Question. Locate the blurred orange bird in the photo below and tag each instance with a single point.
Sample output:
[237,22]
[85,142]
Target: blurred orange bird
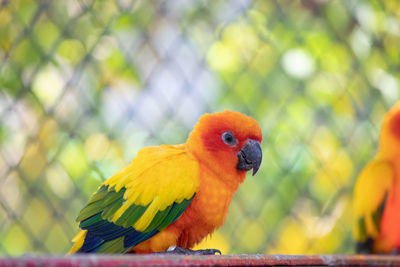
[172,196]
[377,193]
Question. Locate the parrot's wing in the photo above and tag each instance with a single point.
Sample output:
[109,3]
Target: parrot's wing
[139,201]
[370,194]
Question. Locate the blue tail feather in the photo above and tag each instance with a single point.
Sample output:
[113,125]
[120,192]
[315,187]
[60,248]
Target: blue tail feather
[91,242]
[135,237]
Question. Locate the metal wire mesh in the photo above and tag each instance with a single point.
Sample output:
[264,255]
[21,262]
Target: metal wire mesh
[85,84]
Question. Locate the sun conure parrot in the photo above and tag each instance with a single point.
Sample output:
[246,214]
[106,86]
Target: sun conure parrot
[172,196]
[377,193]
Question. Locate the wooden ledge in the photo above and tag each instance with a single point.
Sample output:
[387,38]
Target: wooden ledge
[223,260]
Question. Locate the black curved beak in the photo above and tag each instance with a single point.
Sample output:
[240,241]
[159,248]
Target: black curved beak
[250,156]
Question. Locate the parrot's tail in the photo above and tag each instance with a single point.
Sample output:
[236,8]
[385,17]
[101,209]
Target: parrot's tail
[365,247]
[87,242]
[78,242]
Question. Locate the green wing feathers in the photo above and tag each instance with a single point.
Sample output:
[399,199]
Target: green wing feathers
[139,201]
[108,236]
[104,201]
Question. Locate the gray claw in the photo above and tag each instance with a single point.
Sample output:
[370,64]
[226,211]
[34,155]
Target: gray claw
[211,251]
[184,251]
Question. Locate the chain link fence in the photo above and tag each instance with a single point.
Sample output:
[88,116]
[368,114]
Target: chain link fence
[85,84]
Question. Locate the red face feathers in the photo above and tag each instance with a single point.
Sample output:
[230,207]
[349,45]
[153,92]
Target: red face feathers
[228,142]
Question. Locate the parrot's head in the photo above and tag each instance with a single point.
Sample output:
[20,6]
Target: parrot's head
[228,143]
[390,133]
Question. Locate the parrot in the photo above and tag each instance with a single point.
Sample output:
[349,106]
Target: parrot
[376,196]
[170,197]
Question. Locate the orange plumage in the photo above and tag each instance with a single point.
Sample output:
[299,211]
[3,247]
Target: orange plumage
[377,193]
[220,150]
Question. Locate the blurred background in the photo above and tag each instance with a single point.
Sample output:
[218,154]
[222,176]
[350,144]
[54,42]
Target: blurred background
[84,84]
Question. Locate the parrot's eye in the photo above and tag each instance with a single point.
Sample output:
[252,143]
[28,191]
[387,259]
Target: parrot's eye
[229,139]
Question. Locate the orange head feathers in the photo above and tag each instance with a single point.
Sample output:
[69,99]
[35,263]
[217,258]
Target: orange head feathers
[227,142]
[390,133]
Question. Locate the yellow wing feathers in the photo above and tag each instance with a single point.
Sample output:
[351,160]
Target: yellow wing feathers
[157,177]
[369,195]
[78,241]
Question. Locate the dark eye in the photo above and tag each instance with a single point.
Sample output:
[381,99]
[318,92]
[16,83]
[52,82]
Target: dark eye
[229,139]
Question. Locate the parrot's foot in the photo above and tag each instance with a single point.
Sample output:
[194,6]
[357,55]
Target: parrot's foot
[184,251]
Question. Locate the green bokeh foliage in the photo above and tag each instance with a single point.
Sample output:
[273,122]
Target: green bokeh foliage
[85,84]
